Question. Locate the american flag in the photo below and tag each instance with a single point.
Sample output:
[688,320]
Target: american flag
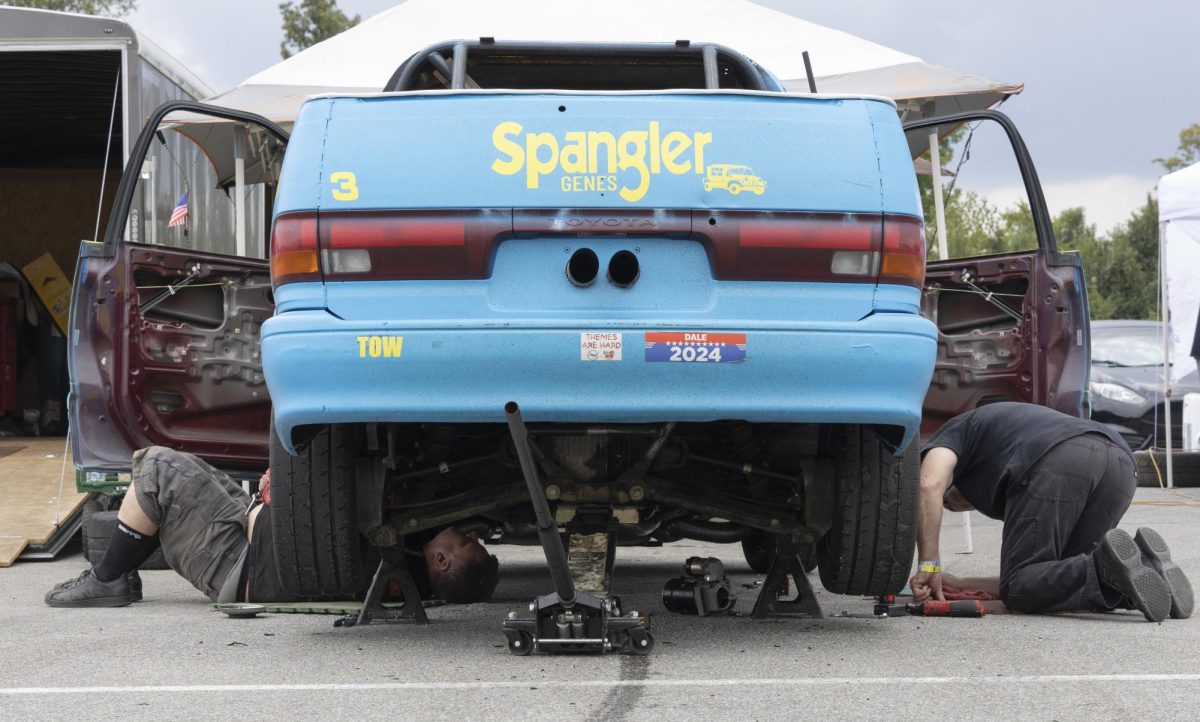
[179,215]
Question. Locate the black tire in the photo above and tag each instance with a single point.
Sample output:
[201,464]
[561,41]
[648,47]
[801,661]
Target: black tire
[1153,471]
[318,553]
[759,549]
[97,532]
[869,549]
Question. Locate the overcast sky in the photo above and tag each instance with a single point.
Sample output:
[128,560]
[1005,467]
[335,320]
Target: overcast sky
[1108,83]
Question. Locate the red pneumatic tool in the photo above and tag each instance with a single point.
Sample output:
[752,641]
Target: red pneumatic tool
[963,608]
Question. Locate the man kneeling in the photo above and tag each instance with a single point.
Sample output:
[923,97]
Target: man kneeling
[220,539]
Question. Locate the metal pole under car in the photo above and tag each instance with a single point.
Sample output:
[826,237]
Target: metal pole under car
[547,528]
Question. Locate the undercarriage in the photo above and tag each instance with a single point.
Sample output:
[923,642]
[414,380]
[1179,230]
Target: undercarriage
[722,482]
[841,498]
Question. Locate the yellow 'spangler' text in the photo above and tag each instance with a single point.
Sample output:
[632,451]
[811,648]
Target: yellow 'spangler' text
[377,346]
[579,153]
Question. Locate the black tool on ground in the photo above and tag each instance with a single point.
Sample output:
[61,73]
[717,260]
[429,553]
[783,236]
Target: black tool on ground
[962,608]
[702,590]
[786,569]
[566,620]
[885,606]
[392,565]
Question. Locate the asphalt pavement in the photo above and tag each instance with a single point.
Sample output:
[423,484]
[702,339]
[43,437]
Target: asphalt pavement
[171,656]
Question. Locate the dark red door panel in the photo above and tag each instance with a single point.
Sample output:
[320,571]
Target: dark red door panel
[1024,342]
[184,371]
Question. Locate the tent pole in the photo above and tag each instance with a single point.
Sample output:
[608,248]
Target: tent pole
[239,186]
[939,203]
[939,212]
[1166,331]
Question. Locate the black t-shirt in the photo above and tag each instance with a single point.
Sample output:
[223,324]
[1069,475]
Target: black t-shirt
[999,443]
[262,576]
[260,571]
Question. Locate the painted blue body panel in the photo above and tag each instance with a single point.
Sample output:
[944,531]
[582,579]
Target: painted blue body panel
[814,352]
[874,370]
[407,151]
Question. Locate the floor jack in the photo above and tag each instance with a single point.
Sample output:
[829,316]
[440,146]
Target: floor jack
[571,619]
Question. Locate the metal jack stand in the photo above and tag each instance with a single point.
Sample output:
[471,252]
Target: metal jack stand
[786,564]
[565,620]
[392,565]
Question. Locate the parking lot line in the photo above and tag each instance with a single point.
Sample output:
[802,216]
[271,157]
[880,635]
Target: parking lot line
[561,684]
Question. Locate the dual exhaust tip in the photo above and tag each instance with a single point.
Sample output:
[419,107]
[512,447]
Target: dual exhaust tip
[584,266]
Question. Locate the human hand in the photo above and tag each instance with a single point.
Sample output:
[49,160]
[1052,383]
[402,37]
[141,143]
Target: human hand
[926,585]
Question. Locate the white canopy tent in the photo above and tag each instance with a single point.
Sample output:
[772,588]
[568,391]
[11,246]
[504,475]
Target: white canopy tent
[364,57]
[1179,254]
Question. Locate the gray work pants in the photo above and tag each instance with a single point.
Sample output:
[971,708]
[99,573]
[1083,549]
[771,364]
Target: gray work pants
[1053,522]
[200,513]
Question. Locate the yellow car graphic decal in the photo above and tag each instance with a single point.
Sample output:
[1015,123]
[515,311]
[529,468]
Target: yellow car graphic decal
[733,178]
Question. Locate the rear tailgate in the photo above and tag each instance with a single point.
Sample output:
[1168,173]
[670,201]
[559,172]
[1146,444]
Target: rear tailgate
[469,187]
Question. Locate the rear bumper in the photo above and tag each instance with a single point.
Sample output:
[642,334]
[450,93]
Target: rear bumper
[319,370]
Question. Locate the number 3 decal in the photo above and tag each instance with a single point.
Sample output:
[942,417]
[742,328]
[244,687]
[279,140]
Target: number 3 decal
[345,186]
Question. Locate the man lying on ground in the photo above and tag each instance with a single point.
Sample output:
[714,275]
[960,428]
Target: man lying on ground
[220,539]
[1060,484]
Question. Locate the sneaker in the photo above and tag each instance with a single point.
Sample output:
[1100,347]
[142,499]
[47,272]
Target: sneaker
[135,585]
[88,591]
[1155,550]
[1119,565]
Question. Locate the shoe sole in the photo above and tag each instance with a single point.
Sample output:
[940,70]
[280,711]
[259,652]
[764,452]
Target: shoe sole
[93,602]
[1139,583]
[1155,549]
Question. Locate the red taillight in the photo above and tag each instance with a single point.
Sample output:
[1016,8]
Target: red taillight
[903,251]
[294,249]
[458,244]
[801,246]
[409,245]
[791,246]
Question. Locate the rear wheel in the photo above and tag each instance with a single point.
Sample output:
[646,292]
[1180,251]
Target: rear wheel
[734,188]
[317,546]
[869,548]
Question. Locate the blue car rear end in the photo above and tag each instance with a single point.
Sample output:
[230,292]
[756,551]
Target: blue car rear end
[423,243]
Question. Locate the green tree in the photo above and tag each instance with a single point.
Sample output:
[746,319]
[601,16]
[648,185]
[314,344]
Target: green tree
[1127,279]
[308,22]
[1188,151]
[111,8]
[1074,233]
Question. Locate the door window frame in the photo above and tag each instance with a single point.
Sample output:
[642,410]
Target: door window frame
[114,231]
[1033,186]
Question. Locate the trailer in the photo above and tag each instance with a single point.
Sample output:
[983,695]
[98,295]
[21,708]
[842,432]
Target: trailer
[76,92]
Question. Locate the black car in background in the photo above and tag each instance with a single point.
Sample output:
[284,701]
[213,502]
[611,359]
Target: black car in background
[1127,383]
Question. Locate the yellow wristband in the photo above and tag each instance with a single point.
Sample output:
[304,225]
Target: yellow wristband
[931,568]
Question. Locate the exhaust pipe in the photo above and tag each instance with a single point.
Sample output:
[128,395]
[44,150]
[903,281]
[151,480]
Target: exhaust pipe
[623,269]
[582,267]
